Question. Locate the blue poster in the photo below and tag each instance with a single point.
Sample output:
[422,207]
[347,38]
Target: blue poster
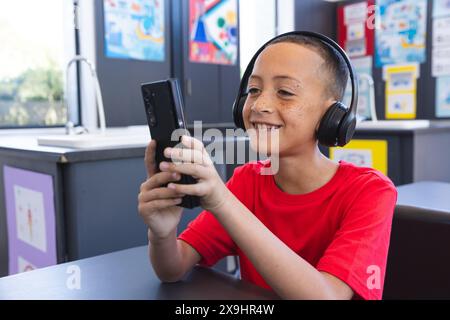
[400,35]
[443,97]
[134,29]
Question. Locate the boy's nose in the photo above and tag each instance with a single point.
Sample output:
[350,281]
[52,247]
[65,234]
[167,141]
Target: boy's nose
[261,106]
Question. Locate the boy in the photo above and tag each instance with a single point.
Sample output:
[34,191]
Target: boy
[315,229]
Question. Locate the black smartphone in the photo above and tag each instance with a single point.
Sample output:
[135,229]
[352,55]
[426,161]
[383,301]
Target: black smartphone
[164,110]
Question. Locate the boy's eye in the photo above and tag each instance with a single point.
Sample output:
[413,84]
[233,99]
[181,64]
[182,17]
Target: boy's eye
[285,93]
[253,91]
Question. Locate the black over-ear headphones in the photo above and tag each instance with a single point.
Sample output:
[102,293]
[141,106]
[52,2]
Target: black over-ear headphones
[338,124]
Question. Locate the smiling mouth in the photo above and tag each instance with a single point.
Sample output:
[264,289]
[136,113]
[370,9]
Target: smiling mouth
[265,126]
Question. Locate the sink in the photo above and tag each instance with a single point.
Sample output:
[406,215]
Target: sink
[393,124]
[116,137]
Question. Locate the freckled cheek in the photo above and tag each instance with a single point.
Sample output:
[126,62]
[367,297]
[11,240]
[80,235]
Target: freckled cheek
[293,116]
[300,120]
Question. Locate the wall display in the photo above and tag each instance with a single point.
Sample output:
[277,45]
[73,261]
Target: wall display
[134,29]
[441,47]
[401,31]
[213,31]
[401,89]
[443,97]
[363,153]
[30,215]
[362,66]
[356,28]
[441,8]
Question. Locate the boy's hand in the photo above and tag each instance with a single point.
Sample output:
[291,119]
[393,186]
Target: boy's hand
[195,161]
[158,205]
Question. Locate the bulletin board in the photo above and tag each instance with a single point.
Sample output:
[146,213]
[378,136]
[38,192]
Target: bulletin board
[30,215]
[432,95]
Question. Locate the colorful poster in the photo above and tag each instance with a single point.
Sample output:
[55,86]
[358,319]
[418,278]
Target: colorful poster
[30,215]
[213,31]
[363,70]
[441,47]
[356,28]
[401,33]
[441,8]
[363,153]
[443,97]
[401,88]
[134,29]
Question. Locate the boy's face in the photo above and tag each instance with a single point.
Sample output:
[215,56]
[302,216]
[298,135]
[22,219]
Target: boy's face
[286,92]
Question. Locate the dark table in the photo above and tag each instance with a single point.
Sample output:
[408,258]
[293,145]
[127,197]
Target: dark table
[126,274]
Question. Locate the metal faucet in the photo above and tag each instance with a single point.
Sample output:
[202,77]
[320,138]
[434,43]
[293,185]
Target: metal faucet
[98,92]
[368,78]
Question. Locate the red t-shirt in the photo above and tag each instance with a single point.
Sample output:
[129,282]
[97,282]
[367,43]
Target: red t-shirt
[343,228]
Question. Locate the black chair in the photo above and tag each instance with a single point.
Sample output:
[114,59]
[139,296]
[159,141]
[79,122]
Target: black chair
[419,255]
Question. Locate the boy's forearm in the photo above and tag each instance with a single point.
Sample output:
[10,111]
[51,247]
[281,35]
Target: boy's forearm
[288,274]
[166,257]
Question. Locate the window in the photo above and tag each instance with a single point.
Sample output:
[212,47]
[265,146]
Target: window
[261,20]
[37,39]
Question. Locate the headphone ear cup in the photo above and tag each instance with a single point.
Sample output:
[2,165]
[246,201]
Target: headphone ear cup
[347,129]
[238,108]
[329,129]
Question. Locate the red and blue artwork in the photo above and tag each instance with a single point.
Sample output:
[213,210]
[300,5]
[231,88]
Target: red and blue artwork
[213,31]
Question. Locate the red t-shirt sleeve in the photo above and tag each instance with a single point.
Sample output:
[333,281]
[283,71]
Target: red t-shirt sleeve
[358,252]
[206,235]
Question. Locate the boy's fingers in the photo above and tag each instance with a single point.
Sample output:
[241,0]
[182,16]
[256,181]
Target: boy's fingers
[187,155]
[159,179]
[192,169]
[158,194]
[162,204]
[149,158]
[192,143]
[197,189]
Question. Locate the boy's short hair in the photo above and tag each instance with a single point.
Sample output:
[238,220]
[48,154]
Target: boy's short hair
[334,64]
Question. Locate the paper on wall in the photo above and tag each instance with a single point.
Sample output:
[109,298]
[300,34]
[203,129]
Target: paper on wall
[24,265]
[361,65]
[356,48]
[401,89]
[401,36]
[441,47]
[356,31]
[355,13]
[441,62]
[441,8]
[401,106]
[443,97]
[30,217]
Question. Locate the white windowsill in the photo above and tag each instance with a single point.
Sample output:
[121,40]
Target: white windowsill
[31,131]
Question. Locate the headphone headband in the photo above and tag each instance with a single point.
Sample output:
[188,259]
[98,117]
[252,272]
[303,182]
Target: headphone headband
[350,113]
